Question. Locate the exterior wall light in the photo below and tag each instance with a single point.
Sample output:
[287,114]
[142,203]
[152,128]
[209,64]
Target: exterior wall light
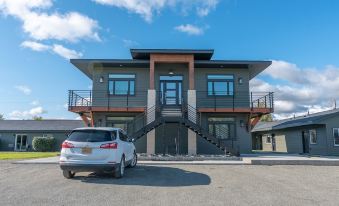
[170,72]
[242,123]
[101,80]
[240,81]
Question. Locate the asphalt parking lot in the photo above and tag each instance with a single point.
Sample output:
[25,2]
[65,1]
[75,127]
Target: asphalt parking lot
[27,184]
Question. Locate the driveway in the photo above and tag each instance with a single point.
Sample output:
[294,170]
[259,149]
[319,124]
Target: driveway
[172,185]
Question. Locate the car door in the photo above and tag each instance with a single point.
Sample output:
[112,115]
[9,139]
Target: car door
[125,145]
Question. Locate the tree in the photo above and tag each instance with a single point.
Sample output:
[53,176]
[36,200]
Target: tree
[2,117]
[37,118]
[267,118]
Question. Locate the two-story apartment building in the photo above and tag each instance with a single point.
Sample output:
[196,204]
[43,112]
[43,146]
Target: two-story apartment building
[174,101]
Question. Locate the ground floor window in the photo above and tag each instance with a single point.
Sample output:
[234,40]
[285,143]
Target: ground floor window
[313,136]
[336,136]
[124,123]
[222,127]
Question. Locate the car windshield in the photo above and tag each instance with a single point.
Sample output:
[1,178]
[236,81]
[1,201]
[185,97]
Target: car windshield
[91,136]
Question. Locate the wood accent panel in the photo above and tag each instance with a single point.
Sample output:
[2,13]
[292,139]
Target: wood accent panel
[85,119]
[172,58]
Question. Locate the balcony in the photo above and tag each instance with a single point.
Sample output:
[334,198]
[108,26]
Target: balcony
[84,101]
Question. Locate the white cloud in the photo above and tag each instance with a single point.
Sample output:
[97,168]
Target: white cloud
[24,89]
[299,90]
[40,25]
[66,53]
[56,48]
[189,29]
[35,46]
[28,114]
[147,8]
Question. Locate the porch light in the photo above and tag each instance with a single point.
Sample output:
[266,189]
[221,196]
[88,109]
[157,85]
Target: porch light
[170,72]
[240,80]
[101,80]
[242,124]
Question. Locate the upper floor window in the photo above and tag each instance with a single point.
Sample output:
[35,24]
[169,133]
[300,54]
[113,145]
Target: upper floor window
[220,85]
[336,136]
[121,84]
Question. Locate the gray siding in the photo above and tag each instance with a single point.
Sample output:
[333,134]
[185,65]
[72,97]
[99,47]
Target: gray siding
[241,97]
[331,123]
[242,142]
[100,90]
[7,139]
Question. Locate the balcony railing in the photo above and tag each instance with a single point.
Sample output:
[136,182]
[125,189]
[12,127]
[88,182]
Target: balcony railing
[239,101]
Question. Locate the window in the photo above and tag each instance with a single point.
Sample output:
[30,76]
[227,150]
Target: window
[268,139]
[120,122]
[90,136]
[220,85]
[121,84]
[222,127]
[336,136]
[47,135]
[123,137]
[313,136]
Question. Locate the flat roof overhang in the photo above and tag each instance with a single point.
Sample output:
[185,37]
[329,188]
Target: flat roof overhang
[87,65]
[199,54]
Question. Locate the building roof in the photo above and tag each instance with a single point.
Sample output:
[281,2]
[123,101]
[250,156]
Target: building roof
[311,119]
[199,54]
[43,125]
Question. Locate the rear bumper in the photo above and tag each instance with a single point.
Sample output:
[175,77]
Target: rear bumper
[89,167]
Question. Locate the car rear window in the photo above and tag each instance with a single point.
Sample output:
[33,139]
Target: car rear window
[91,136]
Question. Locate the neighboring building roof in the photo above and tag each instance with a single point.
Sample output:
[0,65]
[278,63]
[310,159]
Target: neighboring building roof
[311,119]
[199,54]
[43,125]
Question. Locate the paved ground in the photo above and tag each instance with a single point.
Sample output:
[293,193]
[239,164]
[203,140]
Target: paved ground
[43,184]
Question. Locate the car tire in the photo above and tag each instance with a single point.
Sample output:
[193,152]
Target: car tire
[134,160]
[120,171]
[68,174]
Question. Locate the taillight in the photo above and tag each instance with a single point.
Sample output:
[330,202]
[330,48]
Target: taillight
[113,145]
[67,145]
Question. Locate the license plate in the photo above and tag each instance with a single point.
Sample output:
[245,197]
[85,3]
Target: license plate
[86,150]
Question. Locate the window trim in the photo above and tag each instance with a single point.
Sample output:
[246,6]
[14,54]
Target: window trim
[121,79]
[310,138]
[335,128]
[228,81]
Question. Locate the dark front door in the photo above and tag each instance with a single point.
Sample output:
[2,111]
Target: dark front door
[305,140]
[171,92]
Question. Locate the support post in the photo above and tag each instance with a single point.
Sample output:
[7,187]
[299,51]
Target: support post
[192,137]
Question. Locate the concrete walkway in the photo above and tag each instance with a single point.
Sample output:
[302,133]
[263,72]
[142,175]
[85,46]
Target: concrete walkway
[246,159]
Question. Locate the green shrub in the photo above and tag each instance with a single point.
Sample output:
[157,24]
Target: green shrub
[44,144]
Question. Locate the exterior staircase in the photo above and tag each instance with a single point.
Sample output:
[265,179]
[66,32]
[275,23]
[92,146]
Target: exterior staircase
[186,116]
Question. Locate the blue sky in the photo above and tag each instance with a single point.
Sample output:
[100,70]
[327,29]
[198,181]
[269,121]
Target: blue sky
[38,37]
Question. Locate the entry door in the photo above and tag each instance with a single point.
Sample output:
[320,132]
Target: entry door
[306,143]
[171,92]
[20,142]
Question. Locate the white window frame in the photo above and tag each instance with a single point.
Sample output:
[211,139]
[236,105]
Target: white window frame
[336,145]
[309,133]
[266,136]
[15,143]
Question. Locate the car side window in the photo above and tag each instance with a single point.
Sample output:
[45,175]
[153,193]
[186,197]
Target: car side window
[122,136]
[114,135]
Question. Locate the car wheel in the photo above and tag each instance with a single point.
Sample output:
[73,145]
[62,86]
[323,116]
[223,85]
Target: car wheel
[120,171]
[68,174]
[134,161]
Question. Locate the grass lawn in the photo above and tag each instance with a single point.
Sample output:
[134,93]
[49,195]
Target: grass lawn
[25,155]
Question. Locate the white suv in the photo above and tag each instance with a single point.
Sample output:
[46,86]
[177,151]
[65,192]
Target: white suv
[98,149]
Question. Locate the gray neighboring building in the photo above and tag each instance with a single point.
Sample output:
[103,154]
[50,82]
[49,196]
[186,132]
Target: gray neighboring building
[17,135]
[174,101]
[315,134]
